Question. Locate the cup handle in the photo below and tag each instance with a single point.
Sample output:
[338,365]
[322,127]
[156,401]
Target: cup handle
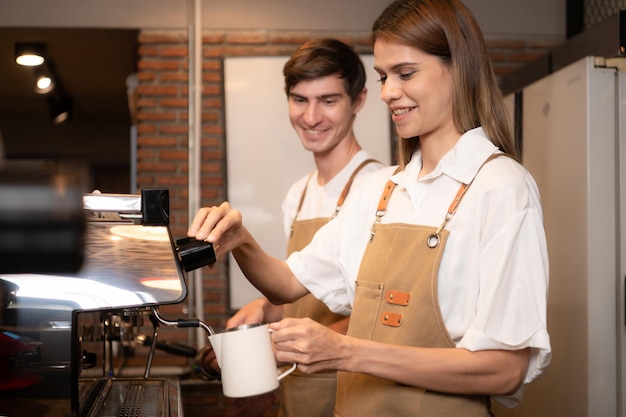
[292,368]
[287,372]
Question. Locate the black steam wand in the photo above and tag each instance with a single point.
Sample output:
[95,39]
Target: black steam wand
[156,318]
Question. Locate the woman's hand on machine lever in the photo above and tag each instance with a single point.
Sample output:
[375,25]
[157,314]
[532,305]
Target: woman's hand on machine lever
[220,225]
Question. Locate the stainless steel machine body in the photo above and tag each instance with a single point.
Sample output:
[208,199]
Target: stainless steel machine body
[61,333]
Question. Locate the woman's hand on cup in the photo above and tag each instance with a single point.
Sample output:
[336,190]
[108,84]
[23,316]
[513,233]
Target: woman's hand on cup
[313,346]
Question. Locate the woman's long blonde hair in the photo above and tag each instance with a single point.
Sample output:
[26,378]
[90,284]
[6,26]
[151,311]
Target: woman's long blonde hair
[448,30]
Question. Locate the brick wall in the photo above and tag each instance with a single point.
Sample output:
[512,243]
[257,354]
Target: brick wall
[163,136]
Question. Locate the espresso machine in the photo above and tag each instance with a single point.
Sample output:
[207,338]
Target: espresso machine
[81,278]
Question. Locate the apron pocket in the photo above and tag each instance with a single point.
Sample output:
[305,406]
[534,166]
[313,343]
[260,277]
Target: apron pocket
[367,300]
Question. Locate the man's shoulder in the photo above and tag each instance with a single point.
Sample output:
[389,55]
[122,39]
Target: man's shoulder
[371,163]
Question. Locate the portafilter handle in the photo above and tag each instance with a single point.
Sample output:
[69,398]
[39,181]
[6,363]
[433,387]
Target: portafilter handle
[194,254]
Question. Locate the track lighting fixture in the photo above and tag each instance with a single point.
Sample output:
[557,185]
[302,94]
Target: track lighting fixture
[33,55]
[30,54]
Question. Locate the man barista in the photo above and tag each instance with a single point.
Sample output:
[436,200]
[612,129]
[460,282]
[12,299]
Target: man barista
[325,87]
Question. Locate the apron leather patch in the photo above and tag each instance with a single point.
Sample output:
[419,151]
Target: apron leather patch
[398,298]
[391,319]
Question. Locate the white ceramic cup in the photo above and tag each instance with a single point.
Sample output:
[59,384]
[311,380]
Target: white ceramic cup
[246,359]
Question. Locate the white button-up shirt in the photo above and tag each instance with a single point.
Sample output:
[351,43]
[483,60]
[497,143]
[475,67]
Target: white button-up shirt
[493,277]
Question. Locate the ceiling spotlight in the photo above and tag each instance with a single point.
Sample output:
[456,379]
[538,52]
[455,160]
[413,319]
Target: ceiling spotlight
[44,82]
[61,114]
[30,54]
[60,108]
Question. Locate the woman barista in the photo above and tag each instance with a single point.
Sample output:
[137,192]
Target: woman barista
[441,261]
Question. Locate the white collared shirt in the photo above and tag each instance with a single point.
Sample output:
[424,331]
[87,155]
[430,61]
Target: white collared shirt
[493,276]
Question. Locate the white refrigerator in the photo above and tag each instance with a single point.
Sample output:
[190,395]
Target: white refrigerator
[574,144]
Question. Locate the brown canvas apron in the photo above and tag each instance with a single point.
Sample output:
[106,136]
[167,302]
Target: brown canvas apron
[390,308]
[311,395]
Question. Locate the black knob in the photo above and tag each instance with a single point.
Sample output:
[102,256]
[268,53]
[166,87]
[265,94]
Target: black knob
[89,359]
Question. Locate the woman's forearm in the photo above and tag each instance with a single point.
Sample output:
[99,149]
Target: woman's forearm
[451,370]
[269,275]
[223,227]
[316,348]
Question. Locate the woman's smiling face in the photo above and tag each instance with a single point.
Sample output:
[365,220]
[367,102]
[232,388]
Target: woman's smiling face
[417,87]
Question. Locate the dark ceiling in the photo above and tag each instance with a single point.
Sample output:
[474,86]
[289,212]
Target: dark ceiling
[92,66]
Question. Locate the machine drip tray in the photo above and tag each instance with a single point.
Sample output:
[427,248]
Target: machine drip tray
[134,398]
